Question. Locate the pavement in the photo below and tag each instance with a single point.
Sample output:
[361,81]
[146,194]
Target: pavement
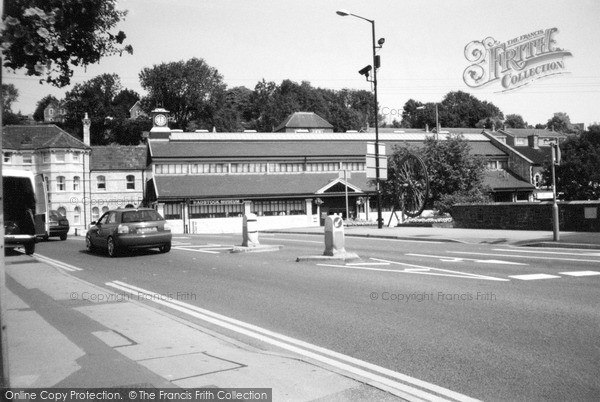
[56,340]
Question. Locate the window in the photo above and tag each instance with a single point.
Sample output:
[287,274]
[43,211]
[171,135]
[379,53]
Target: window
[95,213]
[60,183]
[101,182]
[27,159]
[46,157]
[77,216]
[59,157]
[216,211]
[130,182]
[284,207]
[7,157]
[104,209]
[75,157]
[76,181]
[172,211]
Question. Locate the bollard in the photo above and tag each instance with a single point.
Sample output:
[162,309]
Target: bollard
[250,231]
[334,236]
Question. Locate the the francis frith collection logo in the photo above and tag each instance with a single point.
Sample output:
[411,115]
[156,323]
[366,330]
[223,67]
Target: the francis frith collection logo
[516,62]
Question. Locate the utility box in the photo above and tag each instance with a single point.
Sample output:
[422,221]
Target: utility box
[250,231]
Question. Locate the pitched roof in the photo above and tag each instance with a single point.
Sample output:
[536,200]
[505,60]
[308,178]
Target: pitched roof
[304,120]
[118,157]
[249,186]
[538,156]
[38,137]
[505,180]
[526,132]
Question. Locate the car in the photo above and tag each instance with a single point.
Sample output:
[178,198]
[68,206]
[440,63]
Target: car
[130,228]
[58,225]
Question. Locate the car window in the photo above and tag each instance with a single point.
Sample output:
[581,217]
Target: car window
[103,218]
[112,217]
[141,216]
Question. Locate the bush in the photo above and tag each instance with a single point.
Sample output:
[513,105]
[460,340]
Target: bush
[473,196]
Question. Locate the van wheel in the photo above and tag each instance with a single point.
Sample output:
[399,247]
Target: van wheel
[63,236]
[29,248]
[165,248]
[111,246]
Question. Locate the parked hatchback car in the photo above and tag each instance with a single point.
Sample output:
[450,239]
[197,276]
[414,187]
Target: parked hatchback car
[122,229]
[58,225]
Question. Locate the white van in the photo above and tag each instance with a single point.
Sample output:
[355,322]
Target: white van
[25,208]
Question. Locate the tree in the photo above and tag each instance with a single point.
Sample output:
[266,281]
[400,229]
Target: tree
[38,115]
[190,90]
[561,122]
[460,109]
[515,121]
[454,174]
[50,37]
[95,97]
[578,175]
[122,102]
[10,94]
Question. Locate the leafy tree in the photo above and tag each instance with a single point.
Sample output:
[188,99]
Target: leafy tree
[455,175]
[38,115]
[515,121]
[122,102]
[561,122]
[95,97]
[460,109]
[578,175]
[50,37]
[416,114]
[125,131]
[190,90]
[10,94]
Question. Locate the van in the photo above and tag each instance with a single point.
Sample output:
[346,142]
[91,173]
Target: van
[25,209]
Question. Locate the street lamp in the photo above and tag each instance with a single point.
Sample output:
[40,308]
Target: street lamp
[365,71]
[437,120]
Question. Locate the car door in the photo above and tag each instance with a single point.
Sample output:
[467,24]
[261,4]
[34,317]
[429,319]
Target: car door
[107,228]
[95,229]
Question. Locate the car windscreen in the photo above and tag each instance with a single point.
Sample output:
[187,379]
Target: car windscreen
[140,216]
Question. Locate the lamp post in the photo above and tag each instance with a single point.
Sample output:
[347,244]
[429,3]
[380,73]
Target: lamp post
[365,72]
[437,120]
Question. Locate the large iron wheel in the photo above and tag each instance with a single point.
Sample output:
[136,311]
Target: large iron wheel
[414,181]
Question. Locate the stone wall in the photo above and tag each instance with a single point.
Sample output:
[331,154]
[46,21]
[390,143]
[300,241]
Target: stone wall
[575,216]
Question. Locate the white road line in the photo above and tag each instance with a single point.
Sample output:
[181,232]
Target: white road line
[196,250]
[418,269]
[56,263]
[580,273]
[585,254]
[525,256]
[459,259]
[533,277]
[380,375]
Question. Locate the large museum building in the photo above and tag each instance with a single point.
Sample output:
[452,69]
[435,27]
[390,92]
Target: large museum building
[204,182]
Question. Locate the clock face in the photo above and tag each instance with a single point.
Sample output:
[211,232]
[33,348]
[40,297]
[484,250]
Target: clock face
[160,120]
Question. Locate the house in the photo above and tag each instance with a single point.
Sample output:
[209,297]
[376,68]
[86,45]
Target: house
[62,159]
[55,112]
[136,111]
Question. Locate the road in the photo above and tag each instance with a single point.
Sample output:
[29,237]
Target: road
[491,322]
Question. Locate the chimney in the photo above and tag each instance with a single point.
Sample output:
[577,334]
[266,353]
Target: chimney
[426,128]
[86,130]
[534,141]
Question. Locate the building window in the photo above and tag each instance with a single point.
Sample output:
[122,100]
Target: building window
[537,180]
[284,207]
[101,182]
[59,157]
[248,168]
[95,214]
[76,181]
[216,211]
[62,211]
[60,183]
[104,209]
[27,159]
[172,211]
[130,182]
[7,157]
[46,157]
[75,157]
[77,216]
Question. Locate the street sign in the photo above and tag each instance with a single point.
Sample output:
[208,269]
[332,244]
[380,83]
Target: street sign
[372,163]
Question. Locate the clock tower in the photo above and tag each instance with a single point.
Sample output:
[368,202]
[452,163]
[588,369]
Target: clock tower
[160,124]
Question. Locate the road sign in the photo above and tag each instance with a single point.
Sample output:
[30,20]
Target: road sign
[372,161]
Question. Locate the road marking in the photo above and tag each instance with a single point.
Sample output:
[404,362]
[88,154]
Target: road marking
[416,269]
[585,254]
[409,388]
[525,256]
[533,277]
[196,250]
[460,259]
[56,263]
[580,273]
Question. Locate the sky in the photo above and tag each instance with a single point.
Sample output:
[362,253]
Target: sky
[423,57]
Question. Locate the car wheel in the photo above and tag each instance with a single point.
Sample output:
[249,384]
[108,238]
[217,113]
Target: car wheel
[111,246]
[165,248]
[89,245]
[46,237]
[29,248]
[63,236]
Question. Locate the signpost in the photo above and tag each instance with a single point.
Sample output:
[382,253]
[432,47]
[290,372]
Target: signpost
[372,161]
